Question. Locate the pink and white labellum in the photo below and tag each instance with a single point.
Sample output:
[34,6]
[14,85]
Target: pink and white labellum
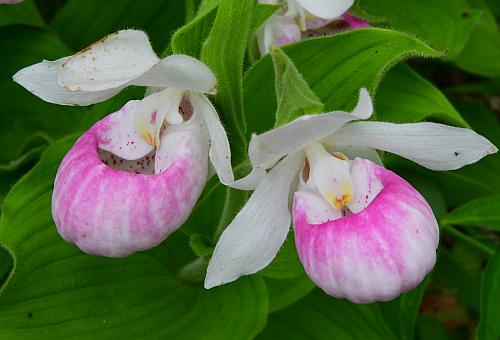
[300,19]
[134,177]
[361,231]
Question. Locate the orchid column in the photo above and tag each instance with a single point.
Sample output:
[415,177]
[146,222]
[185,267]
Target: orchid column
[134,177]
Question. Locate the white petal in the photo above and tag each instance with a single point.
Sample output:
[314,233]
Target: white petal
[156,109]
[41,80]
[326,9]
[296,135]
[179,71]
[434,146]
[121,137]
[254,237]
[220,152]
[110,62]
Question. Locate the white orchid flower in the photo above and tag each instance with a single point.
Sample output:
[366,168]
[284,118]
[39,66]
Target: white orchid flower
[134,177]
[361,231]
[287,26]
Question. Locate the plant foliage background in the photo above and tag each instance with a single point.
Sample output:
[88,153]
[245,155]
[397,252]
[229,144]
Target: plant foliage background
[424,60]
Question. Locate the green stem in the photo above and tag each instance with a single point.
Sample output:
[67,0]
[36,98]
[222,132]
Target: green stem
[464,237]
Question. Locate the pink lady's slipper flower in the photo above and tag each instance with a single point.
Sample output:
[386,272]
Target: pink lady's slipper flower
[361,231]
[303,18]
[134,177]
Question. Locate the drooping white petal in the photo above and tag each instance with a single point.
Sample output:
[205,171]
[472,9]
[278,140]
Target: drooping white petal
[41,80]
[179,71]
[220,152]
[120,136]
[434,146]
[296,135]
[110,62]
[326,9]
[330,175]
[156,109]
[254,237]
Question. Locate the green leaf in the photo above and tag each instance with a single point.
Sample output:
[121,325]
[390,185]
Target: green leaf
[82,22]
[445,24]
[24,13]
[335,67]
[286,264]
[223,52]
[482,52]
[262,13]
[285,292]
[56,291]
[401,313]
[484,212]
[23,115]
[319,316]
[489,327]
[294,97]
[12,171]
[405,97]
[189,38]
[431,328]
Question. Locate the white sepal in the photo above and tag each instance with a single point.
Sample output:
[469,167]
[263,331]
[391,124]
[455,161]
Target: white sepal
[41,80]
[434,146]
[179,71]
[254,237]
[108,63]
[272,145]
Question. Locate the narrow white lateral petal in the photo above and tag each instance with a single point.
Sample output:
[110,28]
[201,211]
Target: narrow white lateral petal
[296,135]
[326,9]
[41,80]
[256,234]
[179,71]
[434,146]
[110,62]
[220,152]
